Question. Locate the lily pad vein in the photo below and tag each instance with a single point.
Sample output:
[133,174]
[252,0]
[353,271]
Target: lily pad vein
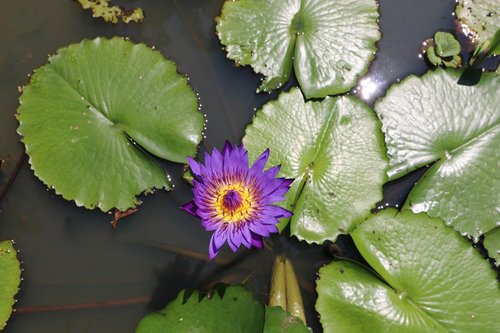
[476,137]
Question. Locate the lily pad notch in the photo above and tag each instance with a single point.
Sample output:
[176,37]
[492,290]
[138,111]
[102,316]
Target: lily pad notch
[425,277]
[328,43]
[94,116]
[334,149]
[431,119]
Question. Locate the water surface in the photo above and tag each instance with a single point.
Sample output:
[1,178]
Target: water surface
[80,275]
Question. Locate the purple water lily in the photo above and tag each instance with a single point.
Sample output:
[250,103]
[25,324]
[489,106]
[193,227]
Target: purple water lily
[236,201]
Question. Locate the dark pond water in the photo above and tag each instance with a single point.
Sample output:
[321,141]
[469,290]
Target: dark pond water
[80,275]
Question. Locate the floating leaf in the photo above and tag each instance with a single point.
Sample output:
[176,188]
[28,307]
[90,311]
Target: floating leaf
[427,279]
[234,310]
[492,244]
[92,116]
[329,43]
[481,16]
[454,62]
[433,119]
[432,56]
[136,15]
[334,149]
[279,321]
[443,49]
[109,13]
[10,278]
[446,44]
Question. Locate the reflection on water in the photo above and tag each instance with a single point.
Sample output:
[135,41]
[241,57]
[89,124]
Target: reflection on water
[368,88]
[71,256]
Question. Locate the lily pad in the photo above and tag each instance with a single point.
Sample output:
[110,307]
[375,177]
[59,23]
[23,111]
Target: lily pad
[10,278]
[492,244]
[109,13]
[335,152]
[329,43]
[482,17]
[427,278]
[432,56]
[446,44]
[433,120]
[223,309]
[92,117]
[231,309]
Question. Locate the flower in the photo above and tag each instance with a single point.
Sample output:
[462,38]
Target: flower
[237,201]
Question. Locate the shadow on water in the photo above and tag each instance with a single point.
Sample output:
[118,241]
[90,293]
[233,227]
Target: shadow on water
[81,276]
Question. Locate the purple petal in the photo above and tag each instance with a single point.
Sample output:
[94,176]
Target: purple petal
[220,235]
[234,238]
[208,165]
[194,166]
[216,165]
[271,228]
[217,240]
[260,163]
[227,148]
[259,229]
[269,186]
[257,241]
[278,212]
[210,225]
[212,249]
[280,191]
[190,208]
[246,238]
[267,219]
[272,172]
[237,160]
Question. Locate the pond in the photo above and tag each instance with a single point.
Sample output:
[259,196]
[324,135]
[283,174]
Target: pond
[80,275]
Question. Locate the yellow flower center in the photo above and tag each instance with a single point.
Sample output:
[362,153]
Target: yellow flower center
[233,203]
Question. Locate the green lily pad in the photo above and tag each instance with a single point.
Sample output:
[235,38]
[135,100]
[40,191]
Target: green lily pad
[454,62]
[335,152]
[329,43]
[482,17]
[222,309]
[279,321]
[446,44]
[492,244]
[109,13]
[231,309]
[432,119]
[85,113]
[10,278]
[432,56]
[427,278]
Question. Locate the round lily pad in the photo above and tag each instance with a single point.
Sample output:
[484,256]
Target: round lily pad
[92,118]
[333,149]
[226,309]
[426,278]
[433,120]
[446,44]
[492,244]
[481,16]
[10,278]
[329,43]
